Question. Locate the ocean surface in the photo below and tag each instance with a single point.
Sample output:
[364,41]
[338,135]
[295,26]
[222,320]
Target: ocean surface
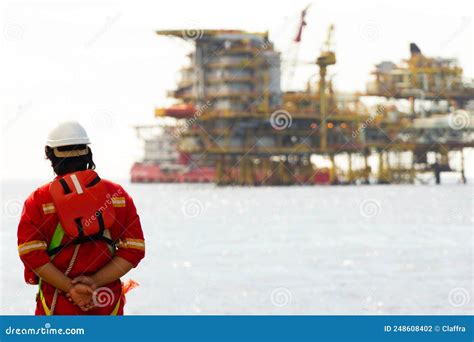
[284,250]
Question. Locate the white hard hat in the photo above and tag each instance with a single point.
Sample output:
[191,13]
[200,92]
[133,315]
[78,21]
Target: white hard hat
[66,134]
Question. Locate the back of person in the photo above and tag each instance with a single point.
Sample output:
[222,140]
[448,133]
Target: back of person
[79,232]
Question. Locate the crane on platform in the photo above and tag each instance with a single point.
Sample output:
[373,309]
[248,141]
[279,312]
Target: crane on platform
[293,51]
[326,58]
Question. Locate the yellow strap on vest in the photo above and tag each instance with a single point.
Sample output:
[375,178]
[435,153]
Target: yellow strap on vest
[116,309]
[43,300]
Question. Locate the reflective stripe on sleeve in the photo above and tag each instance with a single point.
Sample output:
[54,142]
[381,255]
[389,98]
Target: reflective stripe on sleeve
[31,246]
[48,208]
[118,202]
[132,243]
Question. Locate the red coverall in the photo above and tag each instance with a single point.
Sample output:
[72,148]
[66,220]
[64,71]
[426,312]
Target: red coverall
[37,225]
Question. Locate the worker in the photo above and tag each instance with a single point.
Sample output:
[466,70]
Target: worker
[79,234]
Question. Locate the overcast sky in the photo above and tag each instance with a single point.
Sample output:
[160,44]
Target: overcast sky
[100,62]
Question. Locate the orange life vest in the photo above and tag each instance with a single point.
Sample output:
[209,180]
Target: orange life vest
[83,205]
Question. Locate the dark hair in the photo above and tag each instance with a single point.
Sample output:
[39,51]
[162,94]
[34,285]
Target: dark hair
[63,165]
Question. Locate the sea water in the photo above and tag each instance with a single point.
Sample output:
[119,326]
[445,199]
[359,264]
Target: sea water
[394,249]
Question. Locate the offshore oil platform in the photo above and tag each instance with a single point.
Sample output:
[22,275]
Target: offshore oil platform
[235,125]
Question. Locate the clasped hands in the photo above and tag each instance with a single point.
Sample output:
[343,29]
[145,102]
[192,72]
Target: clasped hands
[81,292]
